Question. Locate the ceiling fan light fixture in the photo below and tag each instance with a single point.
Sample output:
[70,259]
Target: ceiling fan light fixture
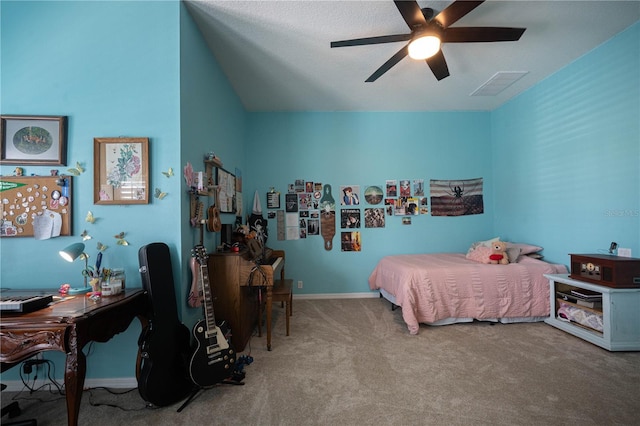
[424,46]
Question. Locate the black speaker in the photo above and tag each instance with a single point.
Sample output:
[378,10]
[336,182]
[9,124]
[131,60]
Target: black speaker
[226,234]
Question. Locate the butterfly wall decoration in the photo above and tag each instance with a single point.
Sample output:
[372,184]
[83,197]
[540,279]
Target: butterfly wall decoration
[159,194]
[77,170]
[101,247]
[120,239]
[169,172]
[90,218]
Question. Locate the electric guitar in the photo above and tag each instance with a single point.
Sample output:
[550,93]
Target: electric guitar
[195,295]
[214,358]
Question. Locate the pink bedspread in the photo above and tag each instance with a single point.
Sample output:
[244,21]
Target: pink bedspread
[432,287]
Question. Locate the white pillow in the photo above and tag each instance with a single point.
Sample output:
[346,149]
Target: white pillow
[486,243]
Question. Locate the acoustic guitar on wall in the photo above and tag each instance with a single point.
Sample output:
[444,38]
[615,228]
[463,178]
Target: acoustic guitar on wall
[214,224]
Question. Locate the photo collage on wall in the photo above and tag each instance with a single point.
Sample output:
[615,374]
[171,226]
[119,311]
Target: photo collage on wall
[302,214]
[404,198]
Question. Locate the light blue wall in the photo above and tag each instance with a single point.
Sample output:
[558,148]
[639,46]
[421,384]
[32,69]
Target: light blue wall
[112,68]
[367,149]
[566,155]
[212,119]
[117,69]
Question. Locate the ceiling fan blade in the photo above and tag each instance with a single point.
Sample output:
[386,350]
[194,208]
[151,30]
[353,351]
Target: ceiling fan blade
[438,65]
[455,11]
[387,65]
[411,12]
[481,34]
[371,40]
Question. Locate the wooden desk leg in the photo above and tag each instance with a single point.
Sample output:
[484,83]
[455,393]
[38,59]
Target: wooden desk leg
[74,374]
[269,301]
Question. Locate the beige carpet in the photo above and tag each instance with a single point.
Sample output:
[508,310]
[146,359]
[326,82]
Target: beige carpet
[352,362]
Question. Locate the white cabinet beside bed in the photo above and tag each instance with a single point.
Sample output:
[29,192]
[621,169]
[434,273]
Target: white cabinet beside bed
[619,315]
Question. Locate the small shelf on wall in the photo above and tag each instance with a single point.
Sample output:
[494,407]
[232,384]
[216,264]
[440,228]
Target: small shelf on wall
[209,166]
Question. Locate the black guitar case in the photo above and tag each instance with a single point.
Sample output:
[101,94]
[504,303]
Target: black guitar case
[165,343]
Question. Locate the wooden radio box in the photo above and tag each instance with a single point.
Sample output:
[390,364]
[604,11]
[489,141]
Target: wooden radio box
[607,270]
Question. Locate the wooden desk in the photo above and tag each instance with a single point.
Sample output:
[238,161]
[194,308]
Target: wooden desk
[233,298]
[67,326]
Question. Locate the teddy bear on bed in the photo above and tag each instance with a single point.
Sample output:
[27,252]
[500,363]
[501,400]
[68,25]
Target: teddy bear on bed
[499,253]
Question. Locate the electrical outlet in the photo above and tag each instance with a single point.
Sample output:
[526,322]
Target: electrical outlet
[299,284]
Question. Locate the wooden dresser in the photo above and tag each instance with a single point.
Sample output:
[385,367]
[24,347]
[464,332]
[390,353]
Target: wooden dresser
[234,300]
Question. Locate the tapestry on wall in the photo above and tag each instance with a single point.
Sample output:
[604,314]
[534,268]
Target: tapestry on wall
[456,197]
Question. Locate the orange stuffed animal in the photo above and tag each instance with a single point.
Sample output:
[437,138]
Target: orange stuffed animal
[499,253]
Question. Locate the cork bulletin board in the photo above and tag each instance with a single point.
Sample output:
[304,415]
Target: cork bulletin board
[35,206]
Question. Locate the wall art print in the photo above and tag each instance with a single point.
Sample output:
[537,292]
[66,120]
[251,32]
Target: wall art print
[121,171]
[350,218]
[373,195]
[456,197]
[405,188]
[350,241]
[374,218]
[350,195]
[37,140]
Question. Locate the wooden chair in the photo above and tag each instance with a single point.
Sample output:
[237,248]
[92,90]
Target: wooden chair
[282,292]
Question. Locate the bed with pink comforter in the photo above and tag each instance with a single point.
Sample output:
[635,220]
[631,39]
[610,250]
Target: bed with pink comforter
[431,288]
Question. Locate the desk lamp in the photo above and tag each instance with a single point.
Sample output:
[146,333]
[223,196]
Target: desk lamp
[70,254]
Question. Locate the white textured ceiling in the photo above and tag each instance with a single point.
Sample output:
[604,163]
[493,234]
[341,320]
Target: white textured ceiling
[277,54]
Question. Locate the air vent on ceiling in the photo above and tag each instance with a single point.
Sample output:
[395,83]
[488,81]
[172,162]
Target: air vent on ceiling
[500,81]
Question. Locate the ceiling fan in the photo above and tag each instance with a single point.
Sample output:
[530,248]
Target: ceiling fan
[429,32]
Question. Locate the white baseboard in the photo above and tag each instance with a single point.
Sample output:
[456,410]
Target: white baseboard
[113,383]
[367,295]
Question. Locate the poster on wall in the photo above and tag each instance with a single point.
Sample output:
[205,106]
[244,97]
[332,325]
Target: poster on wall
[374,218]
[405,188]
[392,188]
[291,203]
[313,226]
[350,195]
[304,201]
[418,187]
[350,241]
[350,218]
[390,206]
[424,205]
[373,195]
[456,197]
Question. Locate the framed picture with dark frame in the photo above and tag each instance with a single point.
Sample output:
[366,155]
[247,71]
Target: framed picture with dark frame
[33,139]
[273,200]
[226,182]
[121,170]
